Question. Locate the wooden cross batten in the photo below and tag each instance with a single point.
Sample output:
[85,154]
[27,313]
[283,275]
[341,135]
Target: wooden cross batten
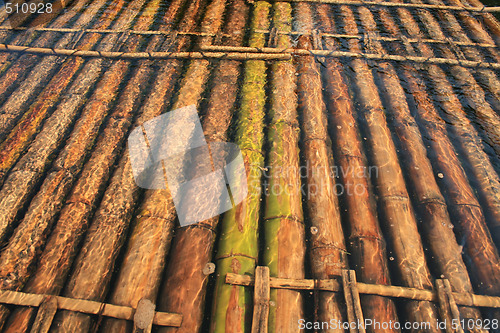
[348,285]
[144,316]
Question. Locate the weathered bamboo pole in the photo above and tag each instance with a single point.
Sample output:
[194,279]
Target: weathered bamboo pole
[84,306]
[446,254]
[460,195]
[22,134]
[363,232]
[335,285]
[251,54]
[32,231]
[237,249]
[12,109]
[28,171]
[9,82]
[284,250]
[40,218]
[488,19]
[111,221]
[481,256]
[473,92]
[327,250]
[399,219]
[154,223]
[488,78]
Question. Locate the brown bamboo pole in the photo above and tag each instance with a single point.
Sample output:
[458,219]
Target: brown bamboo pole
[465,299]
[364,235]
[31,232]
[488,19]
[111,221]
[12,109]
[30,168]
[22,134]
[27,38]
[72,221]
[446,254]
[154,224]
[284,250]
[399,219]
[476,96]
[185,286]
[404,5]
[327,250]
[251,54]
[84,306]
[481,171]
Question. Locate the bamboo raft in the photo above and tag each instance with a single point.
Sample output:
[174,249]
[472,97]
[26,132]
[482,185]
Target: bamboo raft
[370,132]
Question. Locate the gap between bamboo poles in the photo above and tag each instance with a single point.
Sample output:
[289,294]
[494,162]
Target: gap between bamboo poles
[86,306]
[482,9]
[246,53]
[334,285]
[206,34]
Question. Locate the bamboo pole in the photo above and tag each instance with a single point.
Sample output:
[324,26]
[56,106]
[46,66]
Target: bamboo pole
[488,19]
[466,209]
[28,171]
[446,254]
[111,221]
[284,237]
[363,233]
[327,250]
[72,221]
[154,223]
[237,248]
[29,236]
[187,272]
[475,96]
[334,285]
[399,219]
[85,306]
[404,5]
[252,54]
[30,85]
[19,137]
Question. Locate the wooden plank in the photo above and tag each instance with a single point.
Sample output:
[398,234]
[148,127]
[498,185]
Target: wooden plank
[351,315]
[455,313]
[45,315]
[144,315]
[356,300]
[262,295]
[465,299]
[85,306]
[443,305]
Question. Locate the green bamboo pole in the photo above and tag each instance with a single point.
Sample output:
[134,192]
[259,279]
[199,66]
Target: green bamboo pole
[111,221]
[398,215]
[237,249]
[32,84]
[327,251]
[437,228]
[366,243]
[154,223]
[284,251]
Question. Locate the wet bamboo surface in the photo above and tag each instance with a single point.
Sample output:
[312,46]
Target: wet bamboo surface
[389,168]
